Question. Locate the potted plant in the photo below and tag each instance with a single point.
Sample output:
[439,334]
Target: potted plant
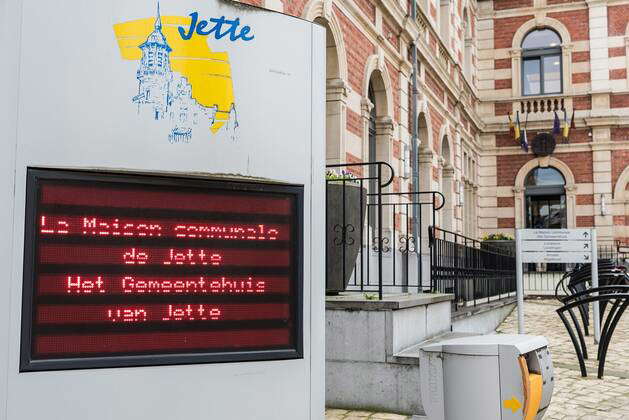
[500,242]
[346,202]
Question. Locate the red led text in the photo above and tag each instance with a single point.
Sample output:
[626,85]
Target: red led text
[83,285]
[202,285]
[61,227]
[192,257]
[226,232]
[135,257]
[95,227]
[127,315]
[192,313]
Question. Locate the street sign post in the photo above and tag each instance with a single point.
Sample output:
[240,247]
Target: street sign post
[555,246]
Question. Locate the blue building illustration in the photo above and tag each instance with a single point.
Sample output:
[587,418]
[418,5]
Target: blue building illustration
[165,94]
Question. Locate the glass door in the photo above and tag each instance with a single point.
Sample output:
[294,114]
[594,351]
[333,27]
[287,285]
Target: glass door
[546,212]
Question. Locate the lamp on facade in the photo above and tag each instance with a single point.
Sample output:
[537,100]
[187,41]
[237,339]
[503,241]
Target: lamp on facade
[604,211]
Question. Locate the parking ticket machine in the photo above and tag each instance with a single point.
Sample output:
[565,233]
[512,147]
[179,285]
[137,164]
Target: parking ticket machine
[489,377]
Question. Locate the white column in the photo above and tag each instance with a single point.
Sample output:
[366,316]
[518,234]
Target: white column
[599,57]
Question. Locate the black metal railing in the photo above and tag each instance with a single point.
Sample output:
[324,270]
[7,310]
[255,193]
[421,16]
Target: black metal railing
[374,238]
[541,279]
[474,272]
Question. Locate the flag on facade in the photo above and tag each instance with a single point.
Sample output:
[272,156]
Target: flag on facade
[556,125]
[572,120]
[524,143]
[566,126]
[511,126]
[516,129]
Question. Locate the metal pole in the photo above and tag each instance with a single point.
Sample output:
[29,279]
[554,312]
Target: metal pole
[415,147]
[595,307]
[519,281]
[380,238]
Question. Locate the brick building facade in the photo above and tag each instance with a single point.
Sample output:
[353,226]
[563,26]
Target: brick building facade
[479,61]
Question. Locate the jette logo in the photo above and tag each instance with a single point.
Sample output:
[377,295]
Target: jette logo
[180,79]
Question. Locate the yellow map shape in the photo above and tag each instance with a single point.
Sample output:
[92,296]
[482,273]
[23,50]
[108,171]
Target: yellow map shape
[208,72]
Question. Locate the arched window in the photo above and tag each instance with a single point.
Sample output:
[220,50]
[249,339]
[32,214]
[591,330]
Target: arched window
[541,63]
[546,199]
[544,177]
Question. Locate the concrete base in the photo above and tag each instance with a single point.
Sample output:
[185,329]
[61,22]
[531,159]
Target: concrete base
[483,319]
[372,347]
[363,339]
[380,387]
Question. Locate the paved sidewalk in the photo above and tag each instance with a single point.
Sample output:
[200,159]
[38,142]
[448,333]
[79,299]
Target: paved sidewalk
[335,414]
[574,397]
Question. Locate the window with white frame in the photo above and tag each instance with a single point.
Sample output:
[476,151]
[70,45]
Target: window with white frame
[541,63]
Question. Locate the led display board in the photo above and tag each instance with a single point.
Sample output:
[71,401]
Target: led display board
[123,270]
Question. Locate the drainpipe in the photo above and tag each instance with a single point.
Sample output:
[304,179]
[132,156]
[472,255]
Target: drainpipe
[415,145]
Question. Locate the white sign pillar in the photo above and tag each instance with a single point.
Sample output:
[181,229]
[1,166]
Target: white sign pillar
[595,306]
[556,246]
[519,282]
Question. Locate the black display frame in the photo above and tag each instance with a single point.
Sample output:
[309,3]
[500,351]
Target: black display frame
[33,178]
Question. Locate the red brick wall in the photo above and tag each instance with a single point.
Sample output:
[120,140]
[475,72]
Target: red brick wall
[435,85]
[617,74]
[580,56]
[620,161]
[617,51]
[506,201]
[580,164]
[511,4]
[253,2]
[435,174]
[507,140]
[617,18]
[580,77]
[394,75]
[549,2]
[502,63]
[506,222]
[582,102]
[368,8]
[579,135]
[577,22]
[437,122]
[356,170]
[359,48]
[294,7]
[354,124]
[502,108]
[432,41]
[505,28]
[619,101]
[397,149]
[502,84]
[390,34]
[585,199]
[585,221]
[619,134]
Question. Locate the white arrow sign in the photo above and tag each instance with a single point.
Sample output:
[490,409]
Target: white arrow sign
[556,246]
[556,257]
[555,235]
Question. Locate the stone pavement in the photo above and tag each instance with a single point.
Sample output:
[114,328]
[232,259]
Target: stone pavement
[574,397]
[335,414]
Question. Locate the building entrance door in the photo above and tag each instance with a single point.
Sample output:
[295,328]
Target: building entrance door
[545,195]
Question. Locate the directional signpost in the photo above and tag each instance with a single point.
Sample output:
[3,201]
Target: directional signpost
[555,246]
